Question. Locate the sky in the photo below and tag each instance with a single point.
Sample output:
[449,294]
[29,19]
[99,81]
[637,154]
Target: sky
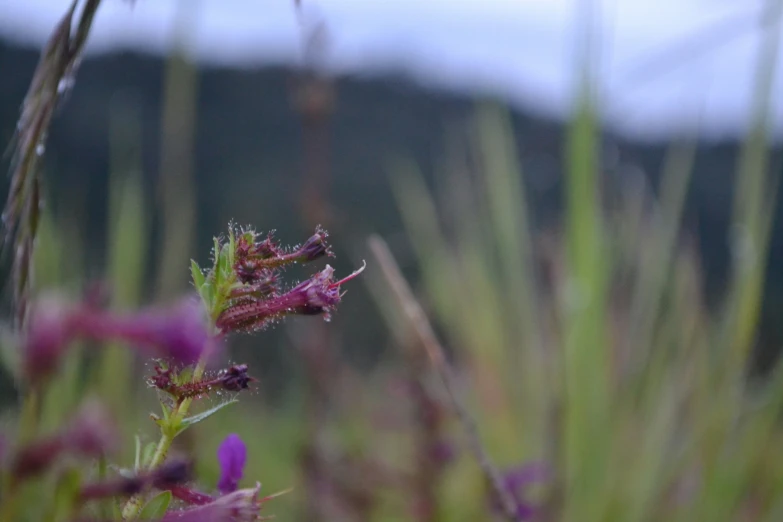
[661,66]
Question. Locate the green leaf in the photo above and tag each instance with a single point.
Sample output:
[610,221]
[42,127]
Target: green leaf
[198,275]
[166,412]
[156,507]
[207,293]
[184,376]
[190,421]
[148,453]
[224,266]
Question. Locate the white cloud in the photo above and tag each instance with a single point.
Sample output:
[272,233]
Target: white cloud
[523,50]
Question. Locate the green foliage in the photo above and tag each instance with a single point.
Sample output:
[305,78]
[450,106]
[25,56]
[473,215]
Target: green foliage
[178,425]
[156,507]
[215,287]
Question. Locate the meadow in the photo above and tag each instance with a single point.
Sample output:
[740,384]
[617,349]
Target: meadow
[567,373]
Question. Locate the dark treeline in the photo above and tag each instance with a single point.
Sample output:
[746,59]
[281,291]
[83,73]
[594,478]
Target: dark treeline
[249,160]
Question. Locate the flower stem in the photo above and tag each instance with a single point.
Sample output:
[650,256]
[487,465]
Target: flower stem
[134,504]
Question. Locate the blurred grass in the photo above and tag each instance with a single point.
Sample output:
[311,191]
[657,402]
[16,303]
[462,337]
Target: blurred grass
[633,401]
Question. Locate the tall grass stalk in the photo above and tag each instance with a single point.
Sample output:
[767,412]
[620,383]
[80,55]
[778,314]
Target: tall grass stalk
[176,189]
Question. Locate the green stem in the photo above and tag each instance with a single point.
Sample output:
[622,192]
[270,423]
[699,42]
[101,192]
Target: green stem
[135,503]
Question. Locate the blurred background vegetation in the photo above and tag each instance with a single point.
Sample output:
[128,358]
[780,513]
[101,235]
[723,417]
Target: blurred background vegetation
[609,341]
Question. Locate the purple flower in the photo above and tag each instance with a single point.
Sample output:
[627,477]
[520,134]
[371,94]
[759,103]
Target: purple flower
[232,455]
[317,295]
[178,333]
[314,247]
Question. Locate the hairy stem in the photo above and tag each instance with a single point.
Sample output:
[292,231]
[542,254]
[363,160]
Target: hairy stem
[135,503]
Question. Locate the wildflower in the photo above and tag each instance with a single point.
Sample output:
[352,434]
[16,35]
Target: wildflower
[234,379]
[233,504]
[317,295]
[178,333]
[313,248]
[232,455]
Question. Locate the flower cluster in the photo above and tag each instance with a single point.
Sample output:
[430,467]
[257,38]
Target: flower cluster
[243,288]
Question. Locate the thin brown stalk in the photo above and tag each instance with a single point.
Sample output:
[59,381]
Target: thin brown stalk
[437,356]
[51,81]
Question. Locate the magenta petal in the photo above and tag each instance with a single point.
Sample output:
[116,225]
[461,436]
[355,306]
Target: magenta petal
[232,456]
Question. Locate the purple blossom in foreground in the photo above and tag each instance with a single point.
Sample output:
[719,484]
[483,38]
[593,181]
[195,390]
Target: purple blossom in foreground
[233,505]
[178,333]
[517,480]
[232,455]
